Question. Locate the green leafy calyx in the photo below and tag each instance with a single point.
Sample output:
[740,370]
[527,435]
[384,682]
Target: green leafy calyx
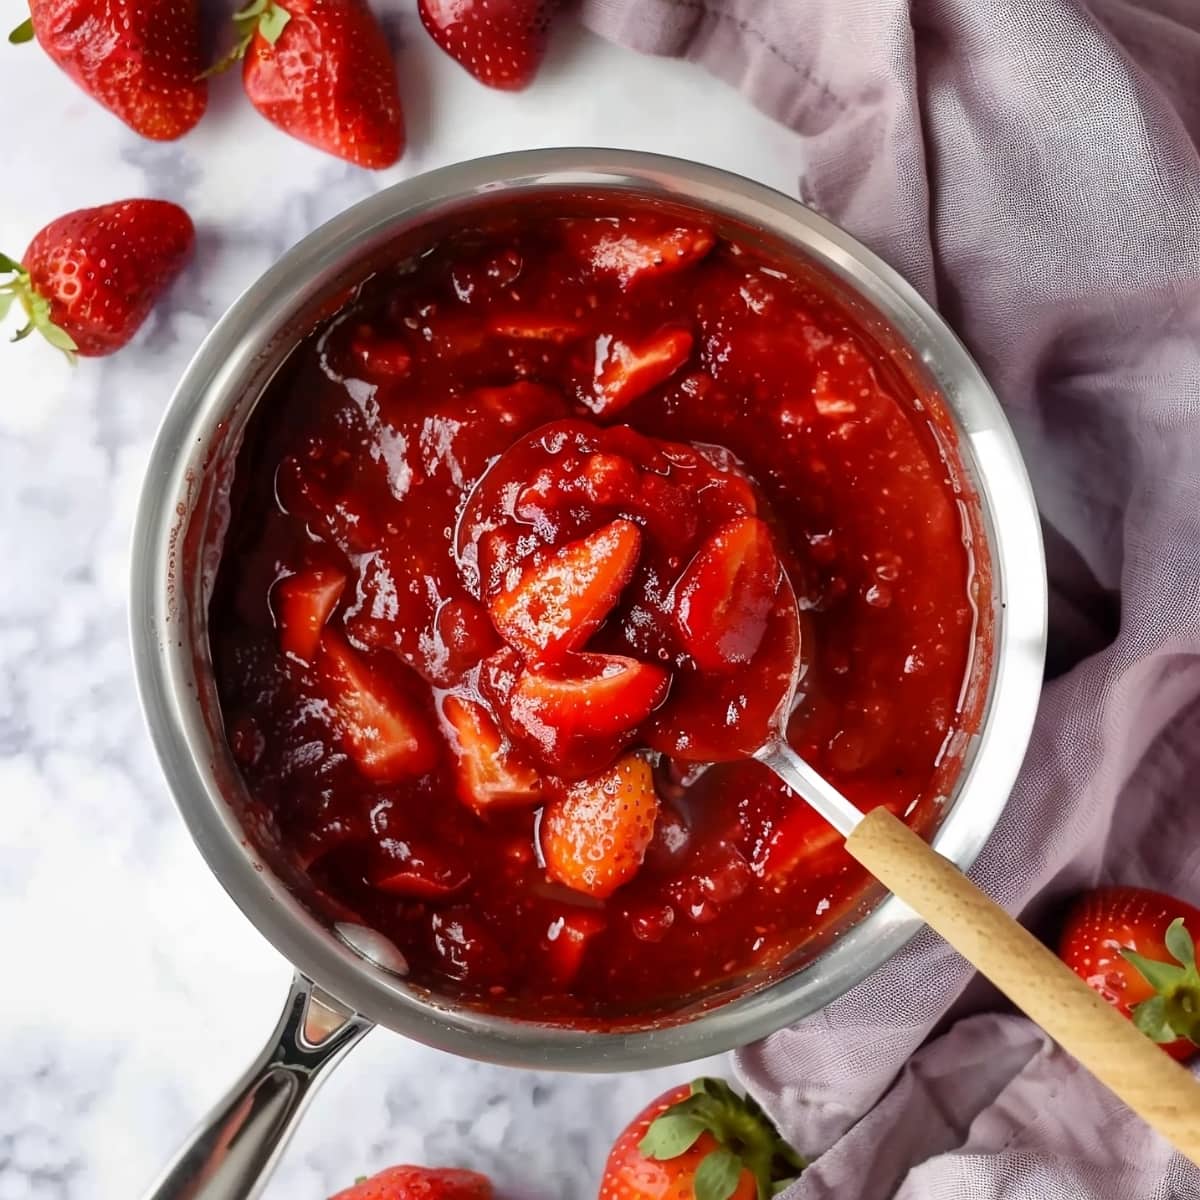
[18,288]
[260,16]
[23,33]
[746,1140]
[1174,1010]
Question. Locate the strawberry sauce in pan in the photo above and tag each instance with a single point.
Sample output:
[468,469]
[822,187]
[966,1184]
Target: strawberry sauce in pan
[502,605]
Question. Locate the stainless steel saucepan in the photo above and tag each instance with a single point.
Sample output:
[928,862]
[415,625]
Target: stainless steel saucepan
[347,979]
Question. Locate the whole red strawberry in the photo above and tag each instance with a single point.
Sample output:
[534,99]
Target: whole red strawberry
[139,58]
[89,279]
[322,71]
[420,1183]
[501,42]
[699,1142]
[1135,948]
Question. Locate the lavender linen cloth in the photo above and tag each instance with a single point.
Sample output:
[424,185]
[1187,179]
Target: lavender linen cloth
[1032,166]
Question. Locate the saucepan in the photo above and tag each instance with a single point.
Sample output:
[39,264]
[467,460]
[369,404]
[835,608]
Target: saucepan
[348,979]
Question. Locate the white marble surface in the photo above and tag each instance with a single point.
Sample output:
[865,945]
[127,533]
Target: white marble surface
[132,992]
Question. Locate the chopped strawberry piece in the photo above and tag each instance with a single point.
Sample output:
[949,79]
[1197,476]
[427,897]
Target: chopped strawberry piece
[451,334]
[330,832]
[383,730]
[711,717]
[533,326]
[498,675]
[380,356]
[595,833]
[245,737]
[319,487]
[724,598]
[566,944]
[590,696]
[609,479]
[491,774]
[651,922]
[415,868]
[802,839]
[632,251]
[302,604]
[719,877]
[672,840]
[463,636]
[730,493]
[626,370]
[562,598]
[465,948]
[517,406]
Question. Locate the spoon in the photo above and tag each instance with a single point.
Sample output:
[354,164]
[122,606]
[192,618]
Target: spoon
[1161,1091]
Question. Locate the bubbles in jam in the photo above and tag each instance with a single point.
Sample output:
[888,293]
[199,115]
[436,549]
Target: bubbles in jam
[509,593]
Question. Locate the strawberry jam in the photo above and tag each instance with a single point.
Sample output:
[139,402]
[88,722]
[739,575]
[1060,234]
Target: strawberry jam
[529,546]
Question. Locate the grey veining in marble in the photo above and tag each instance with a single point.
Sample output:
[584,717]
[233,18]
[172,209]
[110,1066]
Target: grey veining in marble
[131,991]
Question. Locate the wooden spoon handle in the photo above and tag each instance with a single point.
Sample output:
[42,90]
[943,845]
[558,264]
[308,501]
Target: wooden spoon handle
[1151,1083]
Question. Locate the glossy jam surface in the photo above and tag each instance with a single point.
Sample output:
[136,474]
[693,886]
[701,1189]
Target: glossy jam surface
[527,545]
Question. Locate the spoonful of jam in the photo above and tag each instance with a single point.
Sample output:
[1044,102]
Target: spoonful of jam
[639,590]
[646,604]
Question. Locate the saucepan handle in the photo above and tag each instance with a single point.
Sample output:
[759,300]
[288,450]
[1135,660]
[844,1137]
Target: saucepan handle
[230,1156]
[1156,1087]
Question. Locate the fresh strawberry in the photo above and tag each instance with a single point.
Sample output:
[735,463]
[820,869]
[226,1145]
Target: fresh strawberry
[491,774]
[302,604]
[587,700]
[420,1183]
[595,833]
[561,598]
[533,326]
[322,71]
[699,1142]
[1135,947]
[89,279]
[626,370]
[501,42]
[566,944]
[139,58]
[633,250]
[383,730]
[724,597]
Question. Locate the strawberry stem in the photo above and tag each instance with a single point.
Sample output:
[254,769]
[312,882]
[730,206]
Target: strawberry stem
[746,1140]
[1174,1010]
[23,33]
[260,16]
[19,288]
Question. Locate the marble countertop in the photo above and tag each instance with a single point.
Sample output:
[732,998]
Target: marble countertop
[133,992]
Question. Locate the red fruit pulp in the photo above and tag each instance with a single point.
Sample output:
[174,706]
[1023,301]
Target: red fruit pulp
[543,590]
